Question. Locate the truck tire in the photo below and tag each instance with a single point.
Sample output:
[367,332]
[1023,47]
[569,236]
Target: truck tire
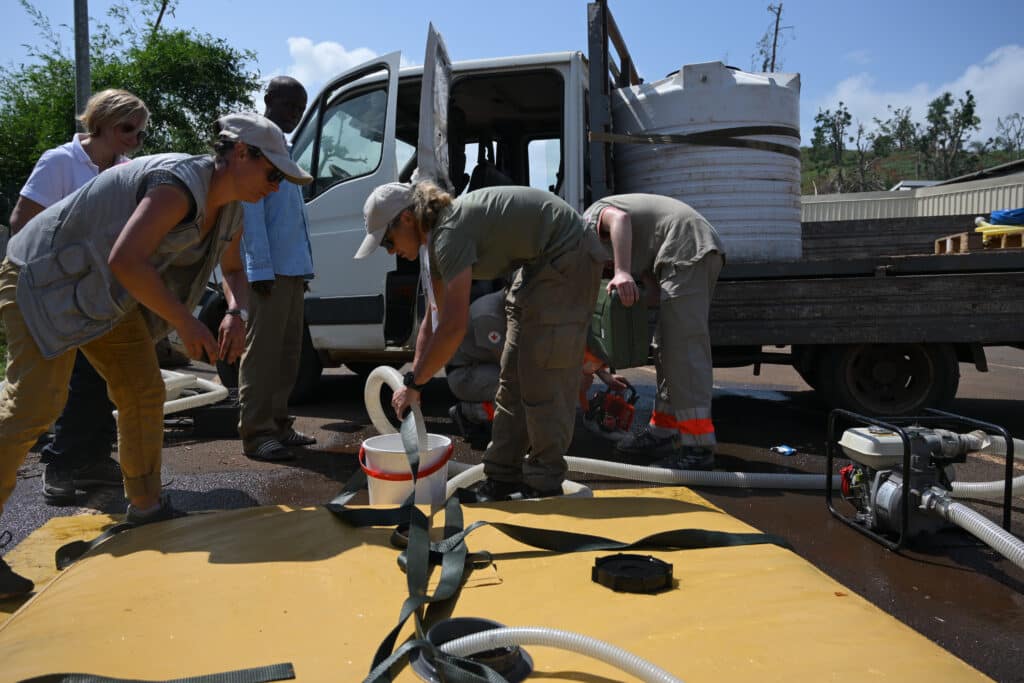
[310,368]
[212,308]
[889,379]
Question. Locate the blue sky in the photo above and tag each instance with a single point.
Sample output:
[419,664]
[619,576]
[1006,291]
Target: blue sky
[868,54]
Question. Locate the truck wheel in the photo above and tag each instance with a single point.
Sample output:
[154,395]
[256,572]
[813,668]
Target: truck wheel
[211,312]
[889,379]
[310,369]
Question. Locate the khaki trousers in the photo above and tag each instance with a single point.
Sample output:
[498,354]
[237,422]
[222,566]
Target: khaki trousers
[548,312]
[682,353]
[36,390]
[266,373]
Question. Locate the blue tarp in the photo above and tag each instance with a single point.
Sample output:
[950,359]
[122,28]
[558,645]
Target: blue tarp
[1007,217]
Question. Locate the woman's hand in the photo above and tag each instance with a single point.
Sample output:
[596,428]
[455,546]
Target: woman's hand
[403,399]
[231,338]
[629,293]
[197,340]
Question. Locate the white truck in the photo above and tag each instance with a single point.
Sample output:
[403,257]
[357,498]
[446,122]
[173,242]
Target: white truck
[875,331]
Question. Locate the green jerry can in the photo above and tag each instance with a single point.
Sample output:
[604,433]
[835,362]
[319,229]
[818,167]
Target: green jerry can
[619,334]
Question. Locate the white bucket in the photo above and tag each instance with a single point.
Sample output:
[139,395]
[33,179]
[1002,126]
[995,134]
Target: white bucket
[387,471]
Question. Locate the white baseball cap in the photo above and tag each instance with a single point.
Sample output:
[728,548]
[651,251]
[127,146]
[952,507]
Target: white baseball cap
[262,133]
[381,207]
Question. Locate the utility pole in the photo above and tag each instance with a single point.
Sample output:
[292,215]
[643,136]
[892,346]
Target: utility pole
[83,80]
[777,11]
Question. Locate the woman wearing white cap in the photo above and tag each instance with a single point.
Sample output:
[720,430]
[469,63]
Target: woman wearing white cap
[487,234]
[113,266]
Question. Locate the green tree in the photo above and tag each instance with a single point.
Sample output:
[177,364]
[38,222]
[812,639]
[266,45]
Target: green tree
[829,144]
[1010,135]
[943,142]
[897,132]
[186,78]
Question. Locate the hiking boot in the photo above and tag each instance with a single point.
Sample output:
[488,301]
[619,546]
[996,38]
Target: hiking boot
[646,442]
[492,490]
[297,438]
[62,483]
[688,458]
[11,585]
[477,435]
[58,484]
[527,491]
[271,450]
[105,472]
[162,513]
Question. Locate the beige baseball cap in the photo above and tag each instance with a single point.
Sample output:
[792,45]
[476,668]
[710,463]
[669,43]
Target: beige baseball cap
[261,132]
[381,207]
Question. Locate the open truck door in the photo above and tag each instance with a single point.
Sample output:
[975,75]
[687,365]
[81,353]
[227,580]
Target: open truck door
[347,143]
[432,153]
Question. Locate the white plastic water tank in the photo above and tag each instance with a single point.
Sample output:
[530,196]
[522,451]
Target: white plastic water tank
[751,196]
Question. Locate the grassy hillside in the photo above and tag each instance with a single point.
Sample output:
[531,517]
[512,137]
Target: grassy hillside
[888,170]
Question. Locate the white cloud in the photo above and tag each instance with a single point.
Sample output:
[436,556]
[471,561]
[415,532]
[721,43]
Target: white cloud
[313,64]
[995,84]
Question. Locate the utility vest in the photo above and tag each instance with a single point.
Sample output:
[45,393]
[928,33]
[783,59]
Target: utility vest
[66,291]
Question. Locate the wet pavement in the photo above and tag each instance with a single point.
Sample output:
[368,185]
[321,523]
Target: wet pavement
[947,586]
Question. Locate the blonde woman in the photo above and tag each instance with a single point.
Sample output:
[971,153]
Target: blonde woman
[78,457]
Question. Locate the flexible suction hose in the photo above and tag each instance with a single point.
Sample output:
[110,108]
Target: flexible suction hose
[211,393]
[371,397]
[390,376]
[984,529]
[991,489]
[565,640]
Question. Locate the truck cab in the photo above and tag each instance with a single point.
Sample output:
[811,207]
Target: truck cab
[508,121]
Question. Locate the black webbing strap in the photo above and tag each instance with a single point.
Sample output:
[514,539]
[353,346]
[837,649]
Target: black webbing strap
[452,554]
[260,674]
[69,553]
[723,137]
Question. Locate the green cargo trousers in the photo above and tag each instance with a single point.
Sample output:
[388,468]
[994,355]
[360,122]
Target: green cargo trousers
[549,308]
[36,390]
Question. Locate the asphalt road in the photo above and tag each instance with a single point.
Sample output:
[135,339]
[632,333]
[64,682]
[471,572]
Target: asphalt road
[947,586]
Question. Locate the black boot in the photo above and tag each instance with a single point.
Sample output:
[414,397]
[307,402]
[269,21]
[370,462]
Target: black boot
[11,585]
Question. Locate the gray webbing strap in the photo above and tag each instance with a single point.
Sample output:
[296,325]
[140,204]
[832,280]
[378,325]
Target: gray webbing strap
[260,674]
[723,137]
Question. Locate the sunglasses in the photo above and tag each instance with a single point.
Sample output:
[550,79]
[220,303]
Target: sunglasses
[386,241]
[129,129]
[273,175]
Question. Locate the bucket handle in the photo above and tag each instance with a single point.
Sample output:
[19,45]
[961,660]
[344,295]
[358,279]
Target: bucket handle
[404,476]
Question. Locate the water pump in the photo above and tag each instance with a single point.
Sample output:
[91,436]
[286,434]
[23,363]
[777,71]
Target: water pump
[874,482]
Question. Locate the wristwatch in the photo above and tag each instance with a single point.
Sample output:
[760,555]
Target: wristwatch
[240,312]
[409,380]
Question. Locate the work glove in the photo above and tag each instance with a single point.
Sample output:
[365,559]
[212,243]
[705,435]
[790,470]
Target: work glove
[263,287]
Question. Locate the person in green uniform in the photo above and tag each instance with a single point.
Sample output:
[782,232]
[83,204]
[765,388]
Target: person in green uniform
[487,234]
[669,245]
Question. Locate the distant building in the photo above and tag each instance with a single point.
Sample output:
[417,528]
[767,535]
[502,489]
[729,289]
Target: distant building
[908,185]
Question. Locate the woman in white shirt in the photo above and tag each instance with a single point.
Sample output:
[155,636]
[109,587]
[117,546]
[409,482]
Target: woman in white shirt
[78,457]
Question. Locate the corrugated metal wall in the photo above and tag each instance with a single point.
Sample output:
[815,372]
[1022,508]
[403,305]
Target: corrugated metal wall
[977,197]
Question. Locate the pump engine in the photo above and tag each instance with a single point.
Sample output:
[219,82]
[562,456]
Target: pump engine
[873,482]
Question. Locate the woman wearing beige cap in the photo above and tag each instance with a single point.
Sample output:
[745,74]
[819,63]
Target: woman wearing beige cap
[488,234]
[113,266]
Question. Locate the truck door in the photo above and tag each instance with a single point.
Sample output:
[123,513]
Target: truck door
[347,143]
[432,146]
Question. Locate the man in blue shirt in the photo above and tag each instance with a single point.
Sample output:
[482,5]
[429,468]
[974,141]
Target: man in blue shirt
[278,262]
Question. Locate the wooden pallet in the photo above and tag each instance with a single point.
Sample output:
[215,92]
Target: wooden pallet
[959,243]
[965,242]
